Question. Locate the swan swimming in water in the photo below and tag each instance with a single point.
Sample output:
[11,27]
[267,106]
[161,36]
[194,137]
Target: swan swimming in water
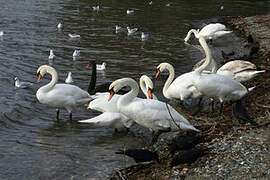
[20,84]
[69,78]
[51,56]
[64,96]
[209,32]
[152,114]
[111,116]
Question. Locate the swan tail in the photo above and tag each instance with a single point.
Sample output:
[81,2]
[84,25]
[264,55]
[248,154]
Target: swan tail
[188,127]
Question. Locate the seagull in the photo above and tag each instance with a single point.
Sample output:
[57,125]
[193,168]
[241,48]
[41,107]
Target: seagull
[96,8]
[69,78]
[76,53]
[117,28]
[131,31]
[74,35]
[60,26]
[20,84]
[51,56]
[130,11]
[1,33]
[144,36]
[101,67]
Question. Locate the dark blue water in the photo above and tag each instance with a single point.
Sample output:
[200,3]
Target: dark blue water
[32,144]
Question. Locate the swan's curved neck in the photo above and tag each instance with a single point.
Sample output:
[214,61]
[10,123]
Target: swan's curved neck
[143,86]
[189,34]
[134,91]
[169,80]
[207,54]
[54,80]
[92,83]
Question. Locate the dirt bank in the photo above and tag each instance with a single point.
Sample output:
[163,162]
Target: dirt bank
[240,151]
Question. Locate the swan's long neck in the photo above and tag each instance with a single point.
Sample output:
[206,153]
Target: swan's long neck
[92,83]
[54,80]
[207,54]
[134,91]
[214,65]
[143,86]
[169,80]
[189,34]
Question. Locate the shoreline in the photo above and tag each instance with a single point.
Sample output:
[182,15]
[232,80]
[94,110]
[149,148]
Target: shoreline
[240,151]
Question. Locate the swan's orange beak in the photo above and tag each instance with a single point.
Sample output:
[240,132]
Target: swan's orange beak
[111,94]
[39,77]
[157,73]
[150,95]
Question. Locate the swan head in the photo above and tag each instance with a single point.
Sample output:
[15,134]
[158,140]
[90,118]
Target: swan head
[161,67]
[147,84]
[119,84]
[42,70]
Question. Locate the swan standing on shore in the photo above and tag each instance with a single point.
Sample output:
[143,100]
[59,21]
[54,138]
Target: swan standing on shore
[20,84]
[64,96]
[152,114]
[69,78]
[111,116]
[209,32]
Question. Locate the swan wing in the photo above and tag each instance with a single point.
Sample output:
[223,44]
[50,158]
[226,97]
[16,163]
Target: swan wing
[237,66]
[212,28]
[109,119]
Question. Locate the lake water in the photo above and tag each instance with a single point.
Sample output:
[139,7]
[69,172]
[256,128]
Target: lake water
[33,145]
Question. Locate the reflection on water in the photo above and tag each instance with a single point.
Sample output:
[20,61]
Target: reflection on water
[35,146]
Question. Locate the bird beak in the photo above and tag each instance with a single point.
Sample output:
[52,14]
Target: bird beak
[88,65]
[111,94]
[150,95]
[39,77]
[225,59]
[157,73]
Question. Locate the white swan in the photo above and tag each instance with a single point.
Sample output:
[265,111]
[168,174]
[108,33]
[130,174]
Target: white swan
[69,78]
[111,116]
[74,35]
[209,32]
[216,86]
[131,31]
[20,84]
[76,53]
[239,70]
[101,67]
[51,56]
[152,114]
[65,96]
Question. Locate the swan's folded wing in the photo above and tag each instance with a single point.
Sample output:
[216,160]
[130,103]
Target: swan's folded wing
[109,119]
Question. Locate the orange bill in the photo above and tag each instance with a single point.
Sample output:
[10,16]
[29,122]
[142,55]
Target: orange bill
[157,73]
[111,94]
[150,95]
[226,60]
[39,77]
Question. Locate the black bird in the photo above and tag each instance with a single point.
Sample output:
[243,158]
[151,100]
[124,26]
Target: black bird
[140,155]
[189,156]
[241,113]
[92,88]
[184,143]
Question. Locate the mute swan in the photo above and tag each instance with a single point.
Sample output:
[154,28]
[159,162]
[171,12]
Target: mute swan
[69,78]
[74,35]
[216,86]
[111,116]
[144,36]
[60,26]
[20,84]
[76,53]
[131,31]
[130,11]
[101,67]
[60,95]
[209,32]
[152,114]
[51,56]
